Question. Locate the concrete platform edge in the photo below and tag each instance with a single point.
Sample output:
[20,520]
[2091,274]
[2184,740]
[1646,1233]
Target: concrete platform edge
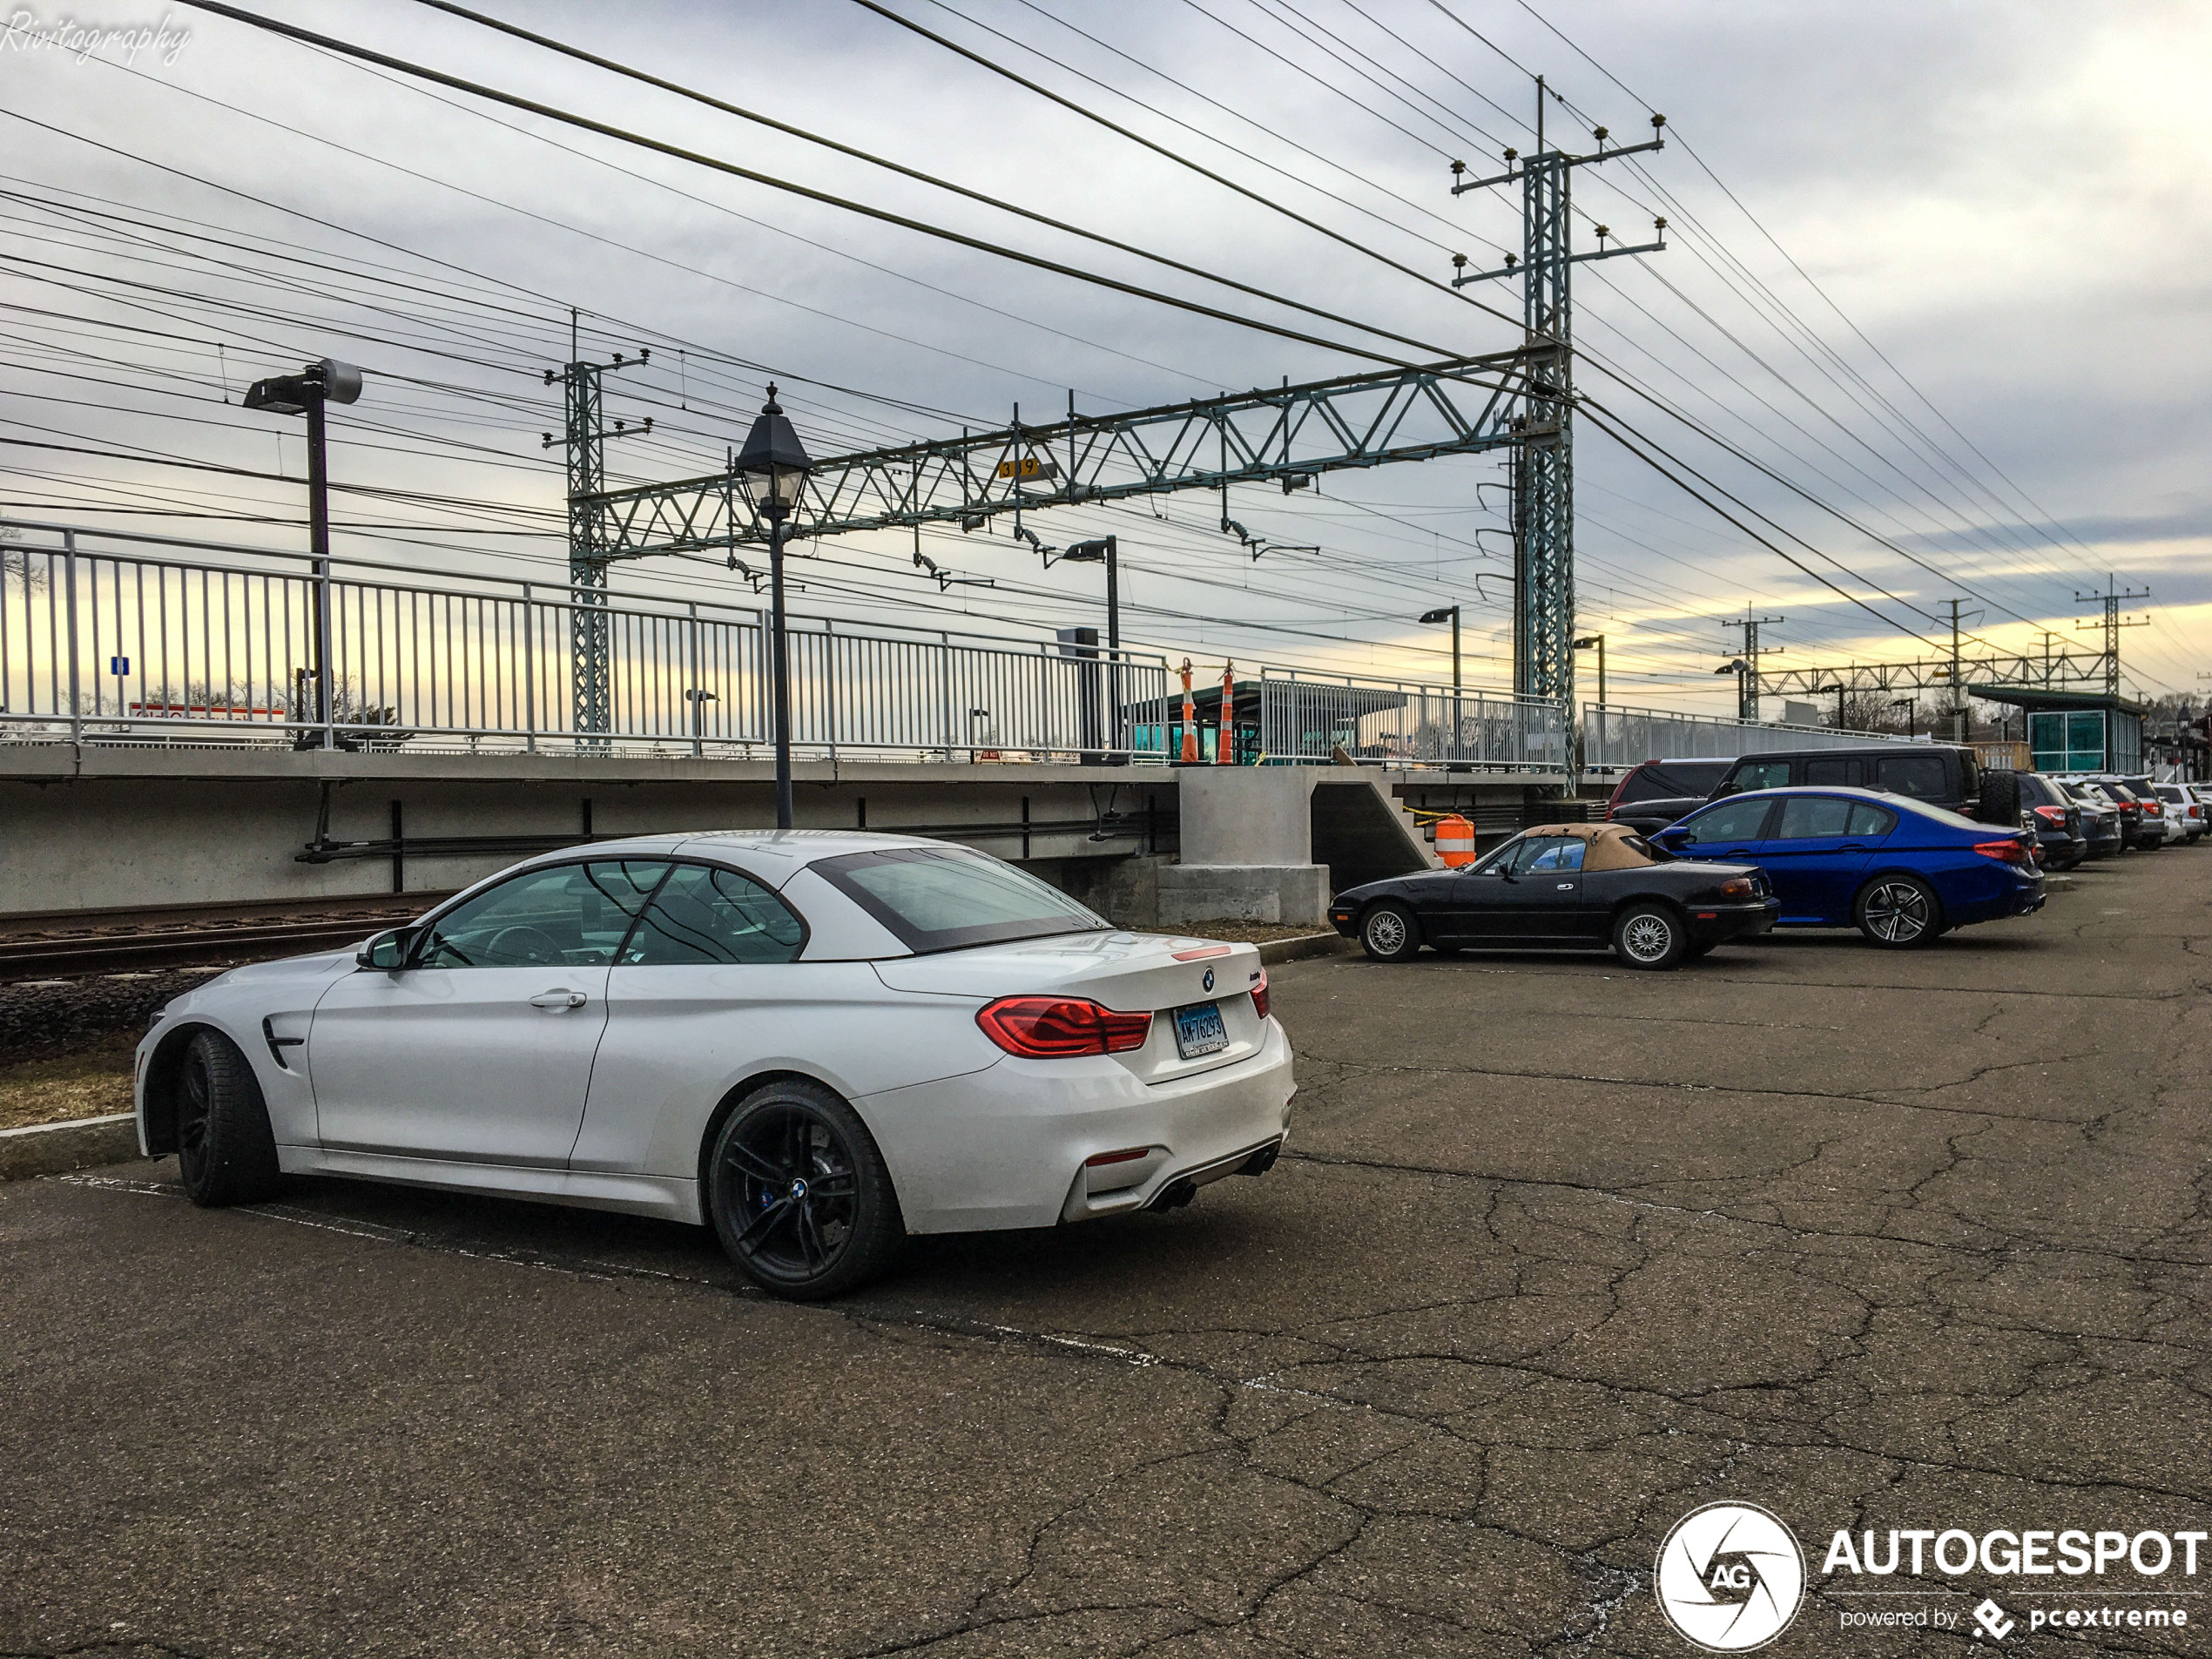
[82,1144]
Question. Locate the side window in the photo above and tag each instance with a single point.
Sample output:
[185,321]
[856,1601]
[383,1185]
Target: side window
[1833,773]
[1564,853]
[577,913]
[703,915]
[1501,862]
[1870,822]
[1919,776]
[1763,774]
[1734,823]
[1806,817]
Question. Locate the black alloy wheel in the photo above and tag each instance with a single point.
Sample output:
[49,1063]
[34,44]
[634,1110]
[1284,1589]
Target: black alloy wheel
[799,1196]
[1388,931]
[1899,913]
[1650,936]
[225,1152]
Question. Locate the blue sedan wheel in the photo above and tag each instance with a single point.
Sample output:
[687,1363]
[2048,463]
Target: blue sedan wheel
[1899,913]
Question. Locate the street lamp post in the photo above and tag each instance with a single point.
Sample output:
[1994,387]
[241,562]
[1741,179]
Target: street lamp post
[1910,709]
[775,465]
[1107,550]
[319,383]
[1739,668]
[699,697]
[1584,644]
[1838,689]
[1451,613]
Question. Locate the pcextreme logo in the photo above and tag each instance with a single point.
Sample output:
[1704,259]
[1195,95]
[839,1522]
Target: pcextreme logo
[1730,1577]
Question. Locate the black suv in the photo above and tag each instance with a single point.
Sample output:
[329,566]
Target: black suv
[1656,794]
[1942,774]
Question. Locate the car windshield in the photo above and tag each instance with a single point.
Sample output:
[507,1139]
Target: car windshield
[948,897]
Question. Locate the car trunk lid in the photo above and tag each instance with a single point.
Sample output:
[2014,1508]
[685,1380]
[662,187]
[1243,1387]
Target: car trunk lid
[1151,973]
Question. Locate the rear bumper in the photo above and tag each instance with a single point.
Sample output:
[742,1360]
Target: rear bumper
[1007,1146]
[1717,924]
[2023,896]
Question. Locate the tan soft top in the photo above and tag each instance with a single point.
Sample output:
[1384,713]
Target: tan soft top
[1613,846]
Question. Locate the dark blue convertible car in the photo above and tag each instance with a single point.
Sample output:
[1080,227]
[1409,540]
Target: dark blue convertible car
[1902,872]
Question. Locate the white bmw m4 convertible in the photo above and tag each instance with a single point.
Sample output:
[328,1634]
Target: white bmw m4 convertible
[814,1041]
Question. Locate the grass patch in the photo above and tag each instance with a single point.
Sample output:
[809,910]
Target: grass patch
[93,1084]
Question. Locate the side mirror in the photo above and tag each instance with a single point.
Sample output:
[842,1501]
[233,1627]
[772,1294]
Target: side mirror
[388,951]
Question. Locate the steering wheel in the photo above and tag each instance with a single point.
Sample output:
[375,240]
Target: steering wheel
[524,945]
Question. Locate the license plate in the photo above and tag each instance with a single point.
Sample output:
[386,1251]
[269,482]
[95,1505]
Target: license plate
[1198,1030]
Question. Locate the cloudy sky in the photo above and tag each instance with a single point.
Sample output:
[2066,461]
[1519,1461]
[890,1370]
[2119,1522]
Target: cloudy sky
[1938,267]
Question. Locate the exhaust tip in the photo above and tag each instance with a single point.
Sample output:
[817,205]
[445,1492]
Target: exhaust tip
[1174,1195]
[1262,1161]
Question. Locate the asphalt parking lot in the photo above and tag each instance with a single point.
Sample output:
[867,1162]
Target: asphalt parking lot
[1562,1252]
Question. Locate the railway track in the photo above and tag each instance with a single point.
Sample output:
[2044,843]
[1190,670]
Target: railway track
[58,953]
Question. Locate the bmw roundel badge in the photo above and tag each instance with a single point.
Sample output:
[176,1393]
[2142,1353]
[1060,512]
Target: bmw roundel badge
[1208,980]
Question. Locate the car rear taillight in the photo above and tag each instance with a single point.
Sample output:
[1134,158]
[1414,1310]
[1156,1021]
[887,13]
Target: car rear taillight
[2051,814]
[1259,995]
[2010,852]
[1060,1028]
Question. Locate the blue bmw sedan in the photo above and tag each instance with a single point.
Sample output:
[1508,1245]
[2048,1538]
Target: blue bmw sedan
[1901,872]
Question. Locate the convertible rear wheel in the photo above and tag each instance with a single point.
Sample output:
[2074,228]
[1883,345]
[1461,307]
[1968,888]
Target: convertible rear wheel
[225,1152]
[1649,936]
[1388,933]
[1899,912]
[799,1196]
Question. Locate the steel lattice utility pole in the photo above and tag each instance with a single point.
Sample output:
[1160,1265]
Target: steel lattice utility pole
[584,437]
[1747,661]
[2111,599]
[1543,462]
[586,455]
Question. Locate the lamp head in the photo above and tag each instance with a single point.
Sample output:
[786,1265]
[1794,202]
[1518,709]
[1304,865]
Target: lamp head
[774,463]
[325,380]
[1442,613]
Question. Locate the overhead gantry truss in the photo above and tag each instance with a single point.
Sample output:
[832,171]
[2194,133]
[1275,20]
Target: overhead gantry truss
[1287,435]
[1979,668]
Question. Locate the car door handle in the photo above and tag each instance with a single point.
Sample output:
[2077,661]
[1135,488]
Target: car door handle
[559,1000]
[1853,846]
[1566,886]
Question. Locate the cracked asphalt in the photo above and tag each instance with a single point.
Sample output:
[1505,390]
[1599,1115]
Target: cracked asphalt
[1563,1253]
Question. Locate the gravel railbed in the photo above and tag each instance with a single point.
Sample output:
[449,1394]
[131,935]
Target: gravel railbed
[46,1019]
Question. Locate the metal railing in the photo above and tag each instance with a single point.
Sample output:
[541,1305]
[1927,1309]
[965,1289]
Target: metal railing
[1306,718]
[162,640]
[1614,739]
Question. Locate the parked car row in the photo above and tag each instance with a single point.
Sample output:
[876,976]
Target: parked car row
[1904,843]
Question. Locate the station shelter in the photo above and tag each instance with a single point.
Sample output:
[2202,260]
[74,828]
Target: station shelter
[2074,731]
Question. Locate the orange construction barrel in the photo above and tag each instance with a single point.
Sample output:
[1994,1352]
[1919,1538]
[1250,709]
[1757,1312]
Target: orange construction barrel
[1455,840]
